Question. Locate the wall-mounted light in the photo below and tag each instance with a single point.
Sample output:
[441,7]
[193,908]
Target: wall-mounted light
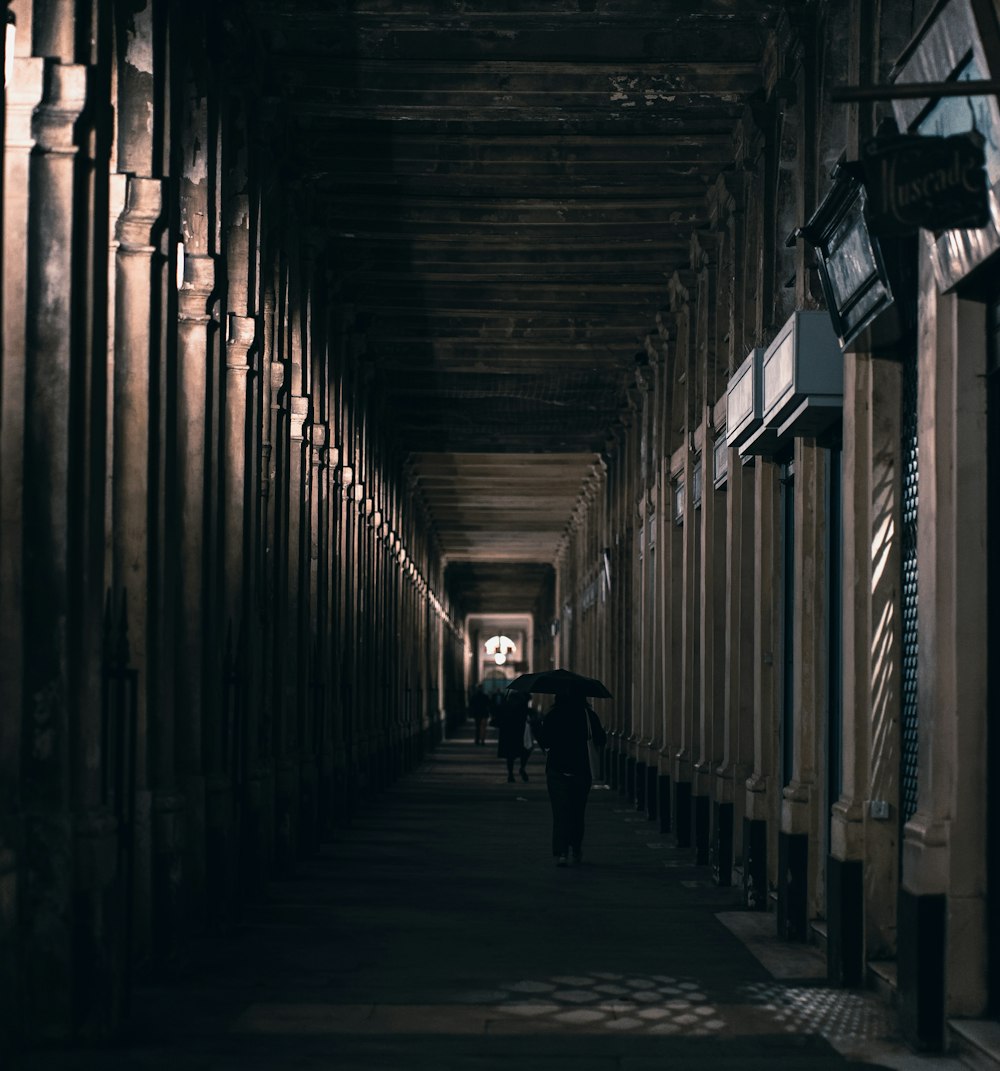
[180,265]
[852,267]
[803,376]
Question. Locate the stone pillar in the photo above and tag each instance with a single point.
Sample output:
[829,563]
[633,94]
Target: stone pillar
[22,94]
[195,726]
[271,432]
[713,663]
[285,653]
[942,921]
[238,526]
[845,890]
[881,693]
[801,864]
[50,704]
[136,421]
[737,742]
[759,823]
[862,877]
[687,686]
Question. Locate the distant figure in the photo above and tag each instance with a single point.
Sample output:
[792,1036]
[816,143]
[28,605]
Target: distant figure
[513,733]
[567,733]
[480,709]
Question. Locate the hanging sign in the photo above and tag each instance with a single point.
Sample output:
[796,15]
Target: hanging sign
[938,183]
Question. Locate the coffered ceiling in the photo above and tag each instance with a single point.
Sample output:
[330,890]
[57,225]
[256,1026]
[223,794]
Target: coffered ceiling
[507,185]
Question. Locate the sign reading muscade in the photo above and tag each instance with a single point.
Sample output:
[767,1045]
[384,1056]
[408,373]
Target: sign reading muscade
[938,183]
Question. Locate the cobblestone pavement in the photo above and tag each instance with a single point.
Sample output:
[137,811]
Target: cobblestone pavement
[436,933]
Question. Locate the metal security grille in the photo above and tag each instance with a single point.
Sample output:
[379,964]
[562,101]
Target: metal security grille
[910,460]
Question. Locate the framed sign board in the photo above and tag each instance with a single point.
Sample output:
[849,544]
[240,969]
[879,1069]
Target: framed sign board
[960,42]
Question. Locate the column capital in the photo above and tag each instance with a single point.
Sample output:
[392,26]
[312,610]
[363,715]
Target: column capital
[242,332]
[197,289]
[63,99]
[140,215]
[298,415]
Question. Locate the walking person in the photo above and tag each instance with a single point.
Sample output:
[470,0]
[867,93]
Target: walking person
[514,734]
[567,733]
[480,709]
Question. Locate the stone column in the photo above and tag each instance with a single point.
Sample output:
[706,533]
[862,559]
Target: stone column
[301,490]
[801,864]
[942,910]
[711,642]
[135,424]
[238,528]
[50,707]
[687,685]
[845,930]
[737,747]
[195,726]
[759,823]
[881,693]
[271,379]
[22,94]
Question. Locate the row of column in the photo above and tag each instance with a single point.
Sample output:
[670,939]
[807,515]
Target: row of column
[219,599]
[752,631]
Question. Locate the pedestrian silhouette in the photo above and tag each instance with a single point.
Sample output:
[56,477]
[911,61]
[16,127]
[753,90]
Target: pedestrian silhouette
[514,741]
[480,709]
[569,732]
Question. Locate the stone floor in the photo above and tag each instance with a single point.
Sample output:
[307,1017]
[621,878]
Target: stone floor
[436,933]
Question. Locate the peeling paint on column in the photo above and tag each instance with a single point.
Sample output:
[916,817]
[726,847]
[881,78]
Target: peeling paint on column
[139,51]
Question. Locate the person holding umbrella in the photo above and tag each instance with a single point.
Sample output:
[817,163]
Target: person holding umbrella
[567,733]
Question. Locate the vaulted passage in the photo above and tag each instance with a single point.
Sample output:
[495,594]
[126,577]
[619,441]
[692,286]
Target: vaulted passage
[434,932]
[358,354]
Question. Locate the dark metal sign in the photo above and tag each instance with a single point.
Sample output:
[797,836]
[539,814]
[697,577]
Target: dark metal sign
[938,183]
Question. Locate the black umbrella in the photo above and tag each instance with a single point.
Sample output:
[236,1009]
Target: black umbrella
[559,682]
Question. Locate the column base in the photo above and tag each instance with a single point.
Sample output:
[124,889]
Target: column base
[100,949]
[722,844]
[640,786]
[921,957]
[286,824]
[308,838]
[10,996]
[844,921]
[663,792]
[629,779]
[755,864]
[325,798]
[682,813]
[167,875]
[793,855]
[253,844]
[701,807]
[652,801]
[220,855]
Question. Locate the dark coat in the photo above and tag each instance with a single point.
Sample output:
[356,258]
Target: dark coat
[563,734]
[510,722]
[479,705]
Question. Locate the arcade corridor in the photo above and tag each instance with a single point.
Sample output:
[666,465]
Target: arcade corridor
[435,933]
[355,354]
